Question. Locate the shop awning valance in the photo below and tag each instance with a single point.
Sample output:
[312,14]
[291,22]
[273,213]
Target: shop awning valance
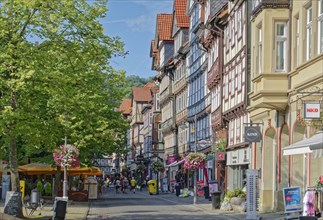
[175,163]
[306,146]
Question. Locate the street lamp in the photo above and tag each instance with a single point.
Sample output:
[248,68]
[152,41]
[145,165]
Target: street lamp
[195,173]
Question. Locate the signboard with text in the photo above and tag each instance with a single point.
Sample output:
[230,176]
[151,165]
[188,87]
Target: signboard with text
[252,134]
[312,110]
[292,199]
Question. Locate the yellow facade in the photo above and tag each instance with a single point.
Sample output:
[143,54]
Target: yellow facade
[286,71]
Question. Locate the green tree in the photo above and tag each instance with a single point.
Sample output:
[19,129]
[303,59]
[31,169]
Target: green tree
[63,86]
[134,81]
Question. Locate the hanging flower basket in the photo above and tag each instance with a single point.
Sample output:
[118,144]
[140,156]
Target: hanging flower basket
[66,156]
[158,166]
[194,161]
[141,168]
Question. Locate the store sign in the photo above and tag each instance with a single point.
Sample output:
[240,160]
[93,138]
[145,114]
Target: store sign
[252,134]
[238,157]
[312,110]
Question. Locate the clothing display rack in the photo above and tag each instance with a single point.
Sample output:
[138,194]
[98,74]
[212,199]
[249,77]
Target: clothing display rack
[313,201]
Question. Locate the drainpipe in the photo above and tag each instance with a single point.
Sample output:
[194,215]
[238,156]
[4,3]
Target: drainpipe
[289,86]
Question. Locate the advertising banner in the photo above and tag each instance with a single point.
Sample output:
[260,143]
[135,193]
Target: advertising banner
[292,199]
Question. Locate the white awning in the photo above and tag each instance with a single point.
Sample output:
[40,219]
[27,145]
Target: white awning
[175,163]
[306,145]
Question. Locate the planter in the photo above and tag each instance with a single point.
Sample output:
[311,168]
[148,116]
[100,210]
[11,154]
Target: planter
[237,200]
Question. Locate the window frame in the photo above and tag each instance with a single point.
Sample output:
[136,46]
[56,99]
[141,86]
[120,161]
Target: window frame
[320,27]
[280,39]
[309,32]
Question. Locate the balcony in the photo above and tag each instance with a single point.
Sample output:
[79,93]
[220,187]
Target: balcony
[269,91]
[168,126]
[214,75]
[259,5]
[181,116]
[216,118]
[180,85]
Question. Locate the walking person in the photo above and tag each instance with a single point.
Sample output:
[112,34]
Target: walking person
[125,185]
[133,185]
[117,185]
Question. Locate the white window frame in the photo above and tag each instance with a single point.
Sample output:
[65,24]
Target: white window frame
[239,80]
[239,22]
[260,47]
[320,27]
[233,21]
[278,40]
[297,38]
[309,30]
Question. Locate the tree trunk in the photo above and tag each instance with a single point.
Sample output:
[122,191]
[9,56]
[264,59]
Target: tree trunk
[14,176]
[57,181]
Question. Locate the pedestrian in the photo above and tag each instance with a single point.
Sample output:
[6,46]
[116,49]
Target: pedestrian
[125,185]
[117,185]
[122,184]
[133,185]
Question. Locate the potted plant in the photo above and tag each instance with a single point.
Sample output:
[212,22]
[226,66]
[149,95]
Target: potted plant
[234,199]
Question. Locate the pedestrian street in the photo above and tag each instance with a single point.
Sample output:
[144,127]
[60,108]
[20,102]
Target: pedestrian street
[141,206]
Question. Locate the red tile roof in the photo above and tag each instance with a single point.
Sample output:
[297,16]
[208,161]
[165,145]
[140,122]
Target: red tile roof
[164,26]
[125,106]
[141,94]
[149,85]
[182,19]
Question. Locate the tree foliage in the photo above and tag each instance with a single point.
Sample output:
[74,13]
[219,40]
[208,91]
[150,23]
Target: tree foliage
[62,86]
[134,81]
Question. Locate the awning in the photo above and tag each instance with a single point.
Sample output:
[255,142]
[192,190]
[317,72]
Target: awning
[306,145]
[175,163]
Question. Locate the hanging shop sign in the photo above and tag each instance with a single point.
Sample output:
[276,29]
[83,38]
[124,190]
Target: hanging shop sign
[252,134]
[312,110]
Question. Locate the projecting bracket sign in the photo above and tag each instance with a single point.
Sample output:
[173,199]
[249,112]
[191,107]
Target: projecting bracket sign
[252,134]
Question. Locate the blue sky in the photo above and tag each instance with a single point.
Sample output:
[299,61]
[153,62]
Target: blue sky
[135,22]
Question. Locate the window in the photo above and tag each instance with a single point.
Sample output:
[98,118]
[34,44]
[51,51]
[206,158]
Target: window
[238,129]
[233,73]
[226,86]
[260,50]
[296,41]
[233,21]
[280,46]
[308,32]
[231,132]
[239,22]
[239,80]
[227,38]
[320,27]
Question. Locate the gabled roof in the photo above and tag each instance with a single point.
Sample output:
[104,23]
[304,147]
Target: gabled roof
[125,106]
[183,21]
[164,26]
[141,94]
[149,85]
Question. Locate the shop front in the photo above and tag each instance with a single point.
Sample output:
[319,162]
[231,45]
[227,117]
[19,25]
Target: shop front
[238,162]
